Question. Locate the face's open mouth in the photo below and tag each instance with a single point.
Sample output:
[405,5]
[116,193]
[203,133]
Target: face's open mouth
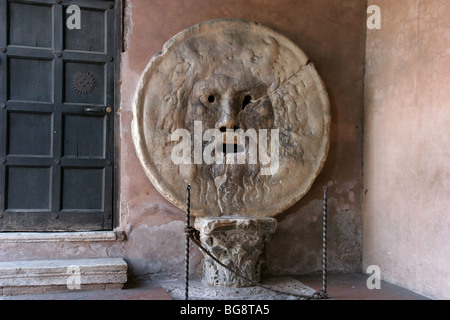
[231,148]
[230,143]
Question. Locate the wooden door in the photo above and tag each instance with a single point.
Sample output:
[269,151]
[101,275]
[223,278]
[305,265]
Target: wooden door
[56,116]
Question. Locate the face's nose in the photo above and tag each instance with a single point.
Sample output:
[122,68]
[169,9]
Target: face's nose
[228,116]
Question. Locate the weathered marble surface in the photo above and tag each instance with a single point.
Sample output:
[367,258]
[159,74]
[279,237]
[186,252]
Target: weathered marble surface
[59,275]
[200,291]
[232,74]
[236,242]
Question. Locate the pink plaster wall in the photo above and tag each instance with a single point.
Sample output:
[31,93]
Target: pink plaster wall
[406,221]
[332,34]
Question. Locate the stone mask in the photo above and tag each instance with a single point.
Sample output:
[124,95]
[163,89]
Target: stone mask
[232,75]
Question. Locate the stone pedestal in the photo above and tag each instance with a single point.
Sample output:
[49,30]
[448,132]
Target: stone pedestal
[236,242]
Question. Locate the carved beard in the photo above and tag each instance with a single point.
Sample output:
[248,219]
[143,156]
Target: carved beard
[231,181]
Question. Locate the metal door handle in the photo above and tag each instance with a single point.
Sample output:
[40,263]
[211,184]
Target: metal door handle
[98,109]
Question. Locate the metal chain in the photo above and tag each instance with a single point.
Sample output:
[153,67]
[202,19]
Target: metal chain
[194,235]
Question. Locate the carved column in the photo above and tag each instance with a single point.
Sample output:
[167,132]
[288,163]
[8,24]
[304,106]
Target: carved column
[237,242]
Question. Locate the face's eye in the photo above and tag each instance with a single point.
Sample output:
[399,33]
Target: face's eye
[209,99]
[246,101]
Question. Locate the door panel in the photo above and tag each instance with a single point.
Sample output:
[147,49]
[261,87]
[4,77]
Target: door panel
[35,32]
[28,188]
[91,37]
[85,182]
[30,134]
[56,119]
[84,136]
[84,83]
[30,79]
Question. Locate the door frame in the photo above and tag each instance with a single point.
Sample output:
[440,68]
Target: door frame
[119,14]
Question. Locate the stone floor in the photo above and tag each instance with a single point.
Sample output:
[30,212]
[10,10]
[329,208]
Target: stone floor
[353,287]
[340,287]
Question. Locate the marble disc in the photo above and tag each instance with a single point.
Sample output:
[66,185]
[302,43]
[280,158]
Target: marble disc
[213,83]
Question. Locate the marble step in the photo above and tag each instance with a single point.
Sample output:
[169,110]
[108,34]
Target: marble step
[60,275]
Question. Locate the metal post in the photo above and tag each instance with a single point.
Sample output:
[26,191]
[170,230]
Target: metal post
[188,213]
[324,243]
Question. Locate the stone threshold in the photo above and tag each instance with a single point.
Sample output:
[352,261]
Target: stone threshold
[90,236]
[61,275]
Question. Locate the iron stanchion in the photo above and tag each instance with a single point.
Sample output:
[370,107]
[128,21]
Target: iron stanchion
[188,213]
[324,243]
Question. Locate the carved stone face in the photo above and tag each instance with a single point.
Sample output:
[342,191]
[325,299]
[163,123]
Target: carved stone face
[232,75]
[229,103]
